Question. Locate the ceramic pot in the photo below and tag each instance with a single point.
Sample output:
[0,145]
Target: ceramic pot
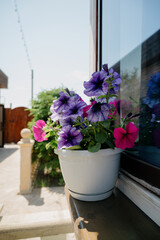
[90,176]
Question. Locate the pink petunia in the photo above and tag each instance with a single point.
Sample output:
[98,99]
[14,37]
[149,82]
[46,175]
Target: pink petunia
[126,138]
[39,134]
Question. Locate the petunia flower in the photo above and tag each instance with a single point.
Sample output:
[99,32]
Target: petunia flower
[116,80]
[55,116]
[62,102]
[126,138]
[96,86]
[98,112]
[65,121]
[153,93]
[75,109]
[39,134]
[69,136]
[86,108]
[105,67]
[154,86]
[150,101]
[75,96]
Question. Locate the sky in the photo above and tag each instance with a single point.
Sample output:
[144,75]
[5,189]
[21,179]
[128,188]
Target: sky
[56,33]
[134,21]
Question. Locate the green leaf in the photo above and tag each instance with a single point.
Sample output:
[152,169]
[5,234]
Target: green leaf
[47,129]
[110,144]
[94,148]
[102,96]
[101,137]
[113,95]
[48,135]
[106,124]
[88,139]
[53,143]
[48,145]
[76,147]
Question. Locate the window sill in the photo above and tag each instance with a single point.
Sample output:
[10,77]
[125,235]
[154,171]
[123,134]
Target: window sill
[113,218]
[148,202]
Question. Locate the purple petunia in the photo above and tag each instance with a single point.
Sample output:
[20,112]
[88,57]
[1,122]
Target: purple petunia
[62,102]
[96,86]
[65,121]
[75,96]
[150,101]
[154,86]
[98,112]
[115,78]
[69,136]
[153,93]
[55,116]
[75,109]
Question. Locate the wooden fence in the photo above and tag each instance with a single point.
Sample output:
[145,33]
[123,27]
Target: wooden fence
[15,120]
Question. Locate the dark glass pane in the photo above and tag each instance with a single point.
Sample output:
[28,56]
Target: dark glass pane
[131,45]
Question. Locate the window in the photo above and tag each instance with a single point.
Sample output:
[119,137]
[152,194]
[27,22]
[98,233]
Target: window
[129,41]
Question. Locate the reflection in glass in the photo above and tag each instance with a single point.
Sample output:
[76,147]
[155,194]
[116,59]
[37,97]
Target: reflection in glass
[131,45]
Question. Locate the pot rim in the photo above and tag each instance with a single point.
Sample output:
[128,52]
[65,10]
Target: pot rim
[107,150]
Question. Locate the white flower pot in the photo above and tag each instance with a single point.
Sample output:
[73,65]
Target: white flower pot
[90,176]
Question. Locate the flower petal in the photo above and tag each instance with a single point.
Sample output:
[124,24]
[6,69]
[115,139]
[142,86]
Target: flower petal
[119,132]
[132,131]
[40,124]
[69,136]
[121,143]
[38,134]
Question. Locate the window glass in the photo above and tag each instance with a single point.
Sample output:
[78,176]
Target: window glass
[131,45]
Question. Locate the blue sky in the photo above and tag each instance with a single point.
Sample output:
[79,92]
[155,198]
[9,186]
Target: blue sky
[134,21]
[57,37]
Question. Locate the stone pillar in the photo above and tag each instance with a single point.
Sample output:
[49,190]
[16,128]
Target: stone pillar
[26,145]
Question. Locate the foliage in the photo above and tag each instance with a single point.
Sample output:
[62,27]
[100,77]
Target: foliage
[48,161]
[41,105]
